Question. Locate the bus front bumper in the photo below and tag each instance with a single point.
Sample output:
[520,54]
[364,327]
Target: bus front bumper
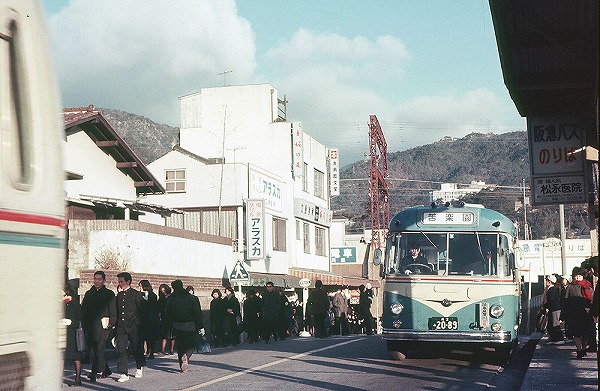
[448,336]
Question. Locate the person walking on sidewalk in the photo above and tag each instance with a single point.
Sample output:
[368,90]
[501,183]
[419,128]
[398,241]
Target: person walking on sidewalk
[578,298]
[99,316]
[252,309]
[318,302]
[130,315]
[184,315]
[554,310]
[364,310]
[72,320]
[270,312]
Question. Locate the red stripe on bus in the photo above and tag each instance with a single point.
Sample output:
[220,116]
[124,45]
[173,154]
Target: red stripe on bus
[32,219]
[447,279]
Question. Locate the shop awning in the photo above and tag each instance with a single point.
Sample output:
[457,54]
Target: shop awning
[292,280]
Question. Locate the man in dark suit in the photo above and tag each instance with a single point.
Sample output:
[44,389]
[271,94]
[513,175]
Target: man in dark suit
[130,314]
[318,303]
[99,316]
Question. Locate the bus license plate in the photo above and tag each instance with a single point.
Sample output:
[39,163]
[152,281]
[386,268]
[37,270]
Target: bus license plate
[441,323]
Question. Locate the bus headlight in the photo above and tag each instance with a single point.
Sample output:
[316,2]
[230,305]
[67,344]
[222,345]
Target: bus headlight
[496,327]
[496,311]
[396,308]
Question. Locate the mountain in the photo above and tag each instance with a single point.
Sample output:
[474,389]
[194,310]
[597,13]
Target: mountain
[494,159]
[500,160]
[148,139]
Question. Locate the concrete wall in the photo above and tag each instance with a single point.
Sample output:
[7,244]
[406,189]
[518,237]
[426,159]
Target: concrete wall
[148,248]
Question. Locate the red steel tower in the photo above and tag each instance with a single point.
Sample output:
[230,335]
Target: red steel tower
[378,185]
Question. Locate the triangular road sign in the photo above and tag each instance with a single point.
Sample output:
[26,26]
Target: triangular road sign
[239,273]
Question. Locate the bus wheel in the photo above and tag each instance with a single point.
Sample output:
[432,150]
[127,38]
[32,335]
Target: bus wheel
[396,350]
[504,352]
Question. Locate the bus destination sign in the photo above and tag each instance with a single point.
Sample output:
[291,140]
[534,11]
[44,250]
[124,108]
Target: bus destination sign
[445,218]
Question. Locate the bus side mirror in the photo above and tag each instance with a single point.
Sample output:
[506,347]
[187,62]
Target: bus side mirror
[377,257]
[519,258]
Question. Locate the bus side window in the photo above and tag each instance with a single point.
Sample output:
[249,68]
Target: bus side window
[16,129]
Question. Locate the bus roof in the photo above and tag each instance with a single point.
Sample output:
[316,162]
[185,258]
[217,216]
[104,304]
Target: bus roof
[467,218]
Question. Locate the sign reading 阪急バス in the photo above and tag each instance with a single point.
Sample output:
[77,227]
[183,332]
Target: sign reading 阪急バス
[557,172]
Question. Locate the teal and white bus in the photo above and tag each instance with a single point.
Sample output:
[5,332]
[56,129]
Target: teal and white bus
[464,288]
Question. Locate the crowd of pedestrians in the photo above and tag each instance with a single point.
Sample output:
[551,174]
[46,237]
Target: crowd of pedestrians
[138,321]
[571,307]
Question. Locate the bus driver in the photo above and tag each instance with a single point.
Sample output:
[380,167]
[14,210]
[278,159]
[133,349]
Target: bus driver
[414,258]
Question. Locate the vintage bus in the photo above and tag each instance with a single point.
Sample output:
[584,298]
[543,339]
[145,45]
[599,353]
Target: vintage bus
[32,232]
[463,288]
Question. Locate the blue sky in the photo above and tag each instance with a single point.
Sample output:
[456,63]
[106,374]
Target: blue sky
[427,68]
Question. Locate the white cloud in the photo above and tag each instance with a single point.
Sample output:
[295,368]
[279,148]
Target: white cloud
[141,58]
[427,119]
[332,84]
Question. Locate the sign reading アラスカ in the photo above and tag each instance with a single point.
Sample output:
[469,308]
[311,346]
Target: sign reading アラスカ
[255,229]
[266,187]
[557,174]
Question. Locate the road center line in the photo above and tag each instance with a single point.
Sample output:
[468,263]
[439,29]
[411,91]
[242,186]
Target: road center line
[260,367]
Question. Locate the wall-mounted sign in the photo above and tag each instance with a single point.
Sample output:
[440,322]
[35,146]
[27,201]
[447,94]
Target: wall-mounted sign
[255,229]
[557,173]
[343,255]
[264,186]
[309,211]
[297,149]
[334,172]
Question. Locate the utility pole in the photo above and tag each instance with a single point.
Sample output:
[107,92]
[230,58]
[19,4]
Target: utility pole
[525,225]
[221,178]
[563,236]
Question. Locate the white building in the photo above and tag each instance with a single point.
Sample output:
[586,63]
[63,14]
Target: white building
[234,147]
[453,191]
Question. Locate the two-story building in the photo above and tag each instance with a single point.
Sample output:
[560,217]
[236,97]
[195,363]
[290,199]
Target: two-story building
[236,147]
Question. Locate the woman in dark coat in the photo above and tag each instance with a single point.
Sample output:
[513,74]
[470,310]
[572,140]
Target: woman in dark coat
[252,310]
[576,311]
[151,325]
[232,316]
[164,291]
[72,319]
[217,313]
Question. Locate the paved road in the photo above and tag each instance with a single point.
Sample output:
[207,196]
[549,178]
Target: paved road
[335,363]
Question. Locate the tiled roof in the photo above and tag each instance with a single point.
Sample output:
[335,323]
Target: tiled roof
[92,122]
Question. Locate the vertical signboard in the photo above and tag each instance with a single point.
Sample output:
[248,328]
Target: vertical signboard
[557,174]
[297,149]
[334,172]
[255,229]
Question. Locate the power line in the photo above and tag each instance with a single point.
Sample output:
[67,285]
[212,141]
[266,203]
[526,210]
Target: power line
[487,185]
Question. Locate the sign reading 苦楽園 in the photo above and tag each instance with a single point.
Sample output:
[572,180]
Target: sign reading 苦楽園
[557,173]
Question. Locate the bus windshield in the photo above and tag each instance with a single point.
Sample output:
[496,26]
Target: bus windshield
[462,253]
